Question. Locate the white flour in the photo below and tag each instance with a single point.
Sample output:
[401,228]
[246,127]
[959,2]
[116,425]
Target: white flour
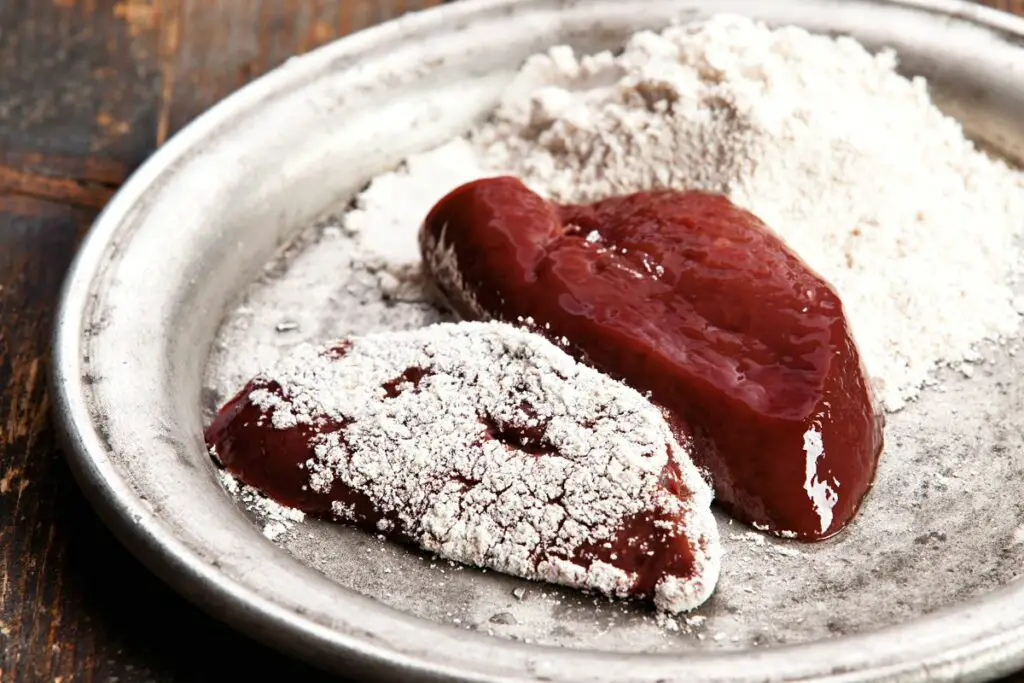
[489,445]
[848,161]
[360,274]
[277,520]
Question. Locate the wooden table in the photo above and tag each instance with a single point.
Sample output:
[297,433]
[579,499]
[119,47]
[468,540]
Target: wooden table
[88,88]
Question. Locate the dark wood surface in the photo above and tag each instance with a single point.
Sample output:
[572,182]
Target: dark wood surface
[88,88]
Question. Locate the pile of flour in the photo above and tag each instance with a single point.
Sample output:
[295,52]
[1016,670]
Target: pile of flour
[847,160]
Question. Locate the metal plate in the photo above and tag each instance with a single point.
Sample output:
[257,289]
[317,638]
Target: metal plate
[924,587]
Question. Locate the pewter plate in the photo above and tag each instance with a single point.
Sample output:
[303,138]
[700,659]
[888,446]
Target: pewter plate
[924,586]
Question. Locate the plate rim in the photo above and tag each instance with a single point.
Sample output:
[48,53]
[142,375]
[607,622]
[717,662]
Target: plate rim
[143,532]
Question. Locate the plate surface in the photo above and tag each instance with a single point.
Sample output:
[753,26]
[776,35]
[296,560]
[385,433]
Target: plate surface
[928,592]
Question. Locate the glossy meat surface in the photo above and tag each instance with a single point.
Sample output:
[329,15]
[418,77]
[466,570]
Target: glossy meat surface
[695,300]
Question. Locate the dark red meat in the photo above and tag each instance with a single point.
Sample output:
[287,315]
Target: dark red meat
[695,300]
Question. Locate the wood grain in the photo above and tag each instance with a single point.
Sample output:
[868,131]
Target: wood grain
[74,83]
[1012,6]
[209,48]
[88,88]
